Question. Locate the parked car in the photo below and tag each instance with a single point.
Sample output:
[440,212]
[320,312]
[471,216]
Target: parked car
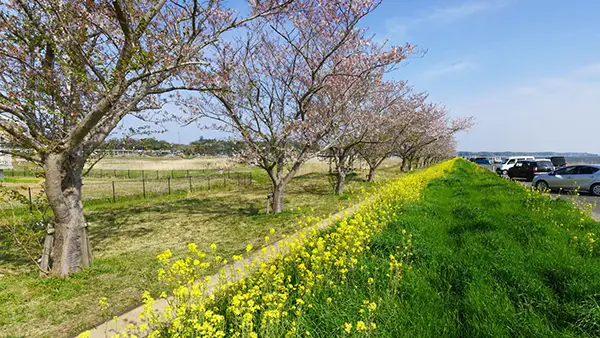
[583,177]
[558,161]
[529,168]
[510,162]
[483,160]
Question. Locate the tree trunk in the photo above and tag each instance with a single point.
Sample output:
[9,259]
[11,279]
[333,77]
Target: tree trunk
[403,166]
[71,250]
[410,165]
[371,176]
[278,191]
[339,184]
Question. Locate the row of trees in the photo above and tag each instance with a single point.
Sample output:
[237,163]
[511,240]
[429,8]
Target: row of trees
[202,146]
[298,79]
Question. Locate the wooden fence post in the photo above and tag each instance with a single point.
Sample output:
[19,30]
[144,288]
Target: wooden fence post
[190,180]
[48,244]
[30,201]
[144,185]
[268,204]
[169,184]
[114,193]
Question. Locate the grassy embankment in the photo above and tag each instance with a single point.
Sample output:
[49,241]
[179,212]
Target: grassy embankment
[489,259]
[477,256]
[126,237]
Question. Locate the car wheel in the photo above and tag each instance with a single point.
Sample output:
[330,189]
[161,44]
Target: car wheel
[542,185]
[504,172]
[595,189]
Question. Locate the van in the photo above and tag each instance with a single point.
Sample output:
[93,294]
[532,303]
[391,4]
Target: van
[558,161]
[510,162]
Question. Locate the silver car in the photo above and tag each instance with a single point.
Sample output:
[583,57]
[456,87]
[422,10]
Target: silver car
[584,177]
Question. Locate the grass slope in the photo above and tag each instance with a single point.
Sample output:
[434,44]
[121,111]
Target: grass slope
[489,259]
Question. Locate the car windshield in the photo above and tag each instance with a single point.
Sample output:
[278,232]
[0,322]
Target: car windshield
[558,160]
[544,164]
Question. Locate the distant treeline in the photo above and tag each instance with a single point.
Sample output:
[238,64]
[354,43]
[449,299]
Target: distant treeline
[513,153]
[202,146]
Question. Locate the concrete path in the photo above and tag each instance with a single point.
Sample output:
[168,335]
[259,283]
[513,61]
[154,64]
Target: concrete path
[110,328]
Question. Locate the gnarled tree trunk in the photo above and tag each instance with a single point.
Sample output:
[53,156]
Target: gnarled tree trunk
[71,250]
[278,191]
[339,183]
[371,175]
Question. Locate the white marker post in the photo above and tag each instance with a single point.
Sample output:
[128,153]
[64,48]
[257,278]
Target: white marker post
[5,163]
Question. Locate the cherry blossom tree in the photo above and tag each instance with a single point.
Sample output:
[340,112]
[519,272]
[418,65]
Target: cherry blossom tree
[392,124]
[364,106]
[431,124]
[271,100]
[442,149]
[71,70]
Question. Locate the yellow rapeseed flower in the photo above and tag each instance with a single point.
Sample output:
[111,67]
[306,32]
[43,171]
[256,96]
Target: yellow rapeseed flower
[348,328]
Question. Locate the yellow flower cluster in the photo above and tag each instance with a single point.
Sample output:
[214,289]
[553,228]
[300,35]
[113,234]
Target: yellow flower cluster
[268,298]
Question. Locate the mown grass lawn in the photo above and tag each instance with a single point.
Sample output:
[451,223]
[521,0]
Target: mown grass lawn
[126,238]
[489,259]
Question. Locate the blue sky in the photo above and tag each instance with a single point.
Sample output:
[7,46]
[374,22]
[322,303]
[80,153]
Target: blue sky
[527,70]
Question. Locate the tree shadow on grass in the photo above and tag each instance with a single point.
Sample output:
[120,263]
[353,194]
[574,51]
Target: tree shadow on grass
[107,224]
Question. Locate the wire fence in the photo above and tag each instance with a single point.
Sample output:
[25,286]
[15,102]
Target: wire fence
[123,173]
[144,187]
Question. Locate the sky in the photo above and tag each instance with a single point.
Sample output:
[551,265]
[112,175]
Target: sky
[528,71]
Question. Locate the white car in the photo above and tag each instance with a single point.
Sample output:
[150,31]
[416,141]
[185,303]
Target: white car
[510,162]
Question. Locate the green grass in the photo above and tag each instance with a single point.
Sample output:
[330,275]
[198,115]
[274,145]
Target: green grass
[490,259]
[22,179]
[126,237]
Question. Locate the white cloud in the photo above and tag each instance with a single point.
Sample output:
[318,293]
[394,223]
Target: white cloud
[461,11]
[400,26]
[592,70]
[443,69]
[558,113]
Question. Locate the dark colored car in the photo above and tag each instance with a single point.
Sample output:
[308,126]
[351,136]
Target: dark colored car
[558,161]
[528,169]
[483,160]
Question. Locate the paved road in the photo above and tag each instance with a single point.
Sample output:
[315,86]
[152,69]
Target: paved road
[583,197]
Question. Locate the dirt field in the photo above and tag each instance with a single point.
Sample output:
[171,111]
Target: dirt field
[165,163]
